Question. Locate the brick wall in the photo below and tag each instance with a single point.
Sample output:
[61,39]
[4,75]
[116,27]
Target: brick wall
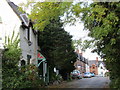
[94,69]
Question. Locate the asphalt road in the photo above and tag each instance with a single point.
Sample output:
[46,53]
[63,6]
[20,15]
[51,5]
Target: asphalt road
[94,82]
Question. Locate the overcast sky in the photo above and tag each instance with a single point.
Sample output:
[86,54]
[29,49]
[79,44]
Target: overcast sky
[76,31]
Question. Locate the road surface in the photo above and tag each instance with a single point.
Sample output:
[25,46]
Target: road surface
[94,82]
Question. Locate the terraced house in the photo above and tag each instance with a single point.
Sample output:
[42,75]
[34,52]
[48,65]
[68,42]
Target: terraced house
[81,63]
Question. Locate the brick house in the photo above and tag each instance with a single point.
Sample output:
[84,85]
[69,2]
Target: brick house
[97,67]
[81,63]
[94,66]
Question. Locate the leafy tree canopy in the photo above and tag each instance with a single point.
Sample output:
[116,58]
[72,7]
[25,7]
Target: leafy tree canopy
[102,19]
[57,43]
[43,12]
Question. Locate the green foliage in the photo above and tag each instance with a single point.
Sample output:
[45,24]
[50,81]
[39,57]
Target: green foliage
[15,77]
[12,75]
[83,45]
[77,43]
[13,52]
[10,61]
[102,20]
[56,45]
[44,12]
[115,83]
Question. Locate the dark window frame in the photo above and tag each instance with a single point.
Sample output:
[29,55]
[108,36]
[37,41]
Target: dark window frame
[28,58]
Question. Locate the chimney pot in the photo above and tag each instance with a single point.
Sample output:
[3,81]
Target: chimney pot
[96,58]
[77,51]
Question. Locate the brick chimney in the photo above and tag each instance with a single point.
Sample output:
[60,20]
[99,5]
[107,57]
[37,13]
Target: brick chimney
[77,50]
[81,54]
[96,60]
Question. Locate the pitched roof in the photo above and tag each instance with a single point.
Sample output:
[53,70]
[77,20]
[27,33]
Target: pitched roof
[99,62]
[81,58]
[23,16]
[91,62]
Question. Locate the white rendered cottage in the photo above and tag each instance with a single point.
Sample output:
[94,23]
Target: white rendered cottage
[11,19]
[28,44]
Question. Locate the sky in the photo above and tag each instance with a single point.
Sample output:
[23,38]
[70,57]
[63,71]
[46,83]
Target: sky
[76,31]
[18,1]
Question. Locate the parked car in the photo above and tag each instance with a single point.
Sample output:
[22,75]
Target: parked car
[87,75]
[92,74]
[76,74]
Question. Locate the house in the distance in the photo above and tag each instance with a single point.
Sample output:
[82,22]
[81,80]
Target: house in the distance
[93,64]
[81,63]
[101,68]
[97,67]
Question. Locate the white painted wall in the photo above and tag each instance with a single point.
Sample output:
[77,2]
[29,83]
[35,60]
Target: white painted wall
[101,70]
[10,21]
[26,49]
[1,31]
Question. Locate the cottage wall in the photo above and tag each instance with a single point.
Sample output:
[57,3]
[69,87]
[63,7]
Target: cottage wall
[94,69]
[28,47]
[101,70]
[10,21]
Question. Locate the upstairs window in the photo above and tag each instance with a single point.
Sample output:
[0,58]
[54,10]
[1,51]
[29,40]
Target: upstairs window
[24,18]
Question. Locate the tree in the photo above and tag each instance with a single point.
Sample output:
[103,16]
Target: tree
[77,43]
[56,45]
[13,52]
[82,45]
[10,59]
[44,12]
[102,20]
[14,76]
